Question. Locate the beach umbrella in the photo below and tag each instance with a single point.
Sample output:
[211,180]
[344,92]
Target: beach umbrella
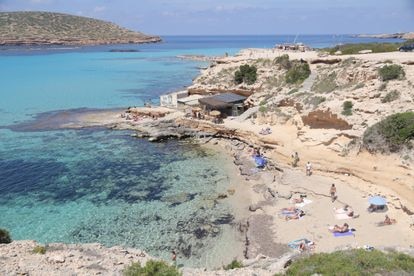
[196,109]
[377,200]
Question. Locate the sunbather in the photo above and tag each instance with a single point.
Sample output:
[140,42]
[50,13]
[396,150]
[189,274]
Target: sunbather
[389,221]
[296,215]
[290,209]
[341,229]
[297,200]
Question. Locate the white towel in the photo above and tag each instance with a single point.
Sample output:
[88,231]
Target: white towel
[305,202]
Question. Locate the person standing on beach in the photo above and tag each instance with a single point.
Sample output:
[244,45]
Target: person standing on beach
[333,192]
[308,168]
[295,159]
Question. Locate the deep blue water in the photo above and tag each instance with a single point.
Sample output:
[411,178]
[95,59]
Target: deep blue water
[105,186]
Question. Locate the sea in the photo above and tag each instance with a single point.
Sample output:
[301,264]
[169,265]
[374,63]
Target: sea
[104,186]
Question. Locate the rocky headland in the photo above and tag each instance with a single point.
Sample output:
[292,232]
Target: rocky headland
[47,28]
[407,36]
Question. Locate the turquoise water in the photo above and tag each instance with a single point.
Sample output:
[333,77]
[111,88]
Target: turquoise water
[96,185]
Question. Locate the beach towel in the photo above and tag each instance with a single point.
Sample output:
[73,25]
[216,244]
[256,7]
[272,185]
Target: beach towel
[342,216]
[302,204]
[296,243]
[349,233]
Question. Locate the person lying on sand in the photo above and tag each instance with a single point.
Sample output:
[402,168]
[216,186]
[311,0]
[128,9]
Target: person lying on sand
[340,229]
[292,209]
[297,200]
[389,221]
[296,215]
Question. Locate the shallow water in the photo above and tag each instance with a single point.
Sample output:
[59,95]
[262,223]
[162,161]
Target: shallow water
[108,187]
[104,186]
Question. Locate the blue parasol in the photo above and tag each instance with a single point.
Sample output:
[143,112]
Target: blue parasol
[377,200]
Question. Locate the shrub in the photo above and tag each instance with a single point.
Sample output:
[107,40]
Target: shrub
[326,83]
[246,74]
[294,90]
[151,268]
[283,61]
[353,262]
[347,108]
[263,109]
[358,86]
[391,96]
[349,49]
[315,101]
[233,265]
[5,236]
[383,86]
[39,250]
[299,72]
[391,72]
[390,134]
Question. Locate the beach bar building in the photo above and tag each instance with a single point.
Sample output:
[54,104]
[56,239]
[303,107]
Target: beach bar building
[229,104]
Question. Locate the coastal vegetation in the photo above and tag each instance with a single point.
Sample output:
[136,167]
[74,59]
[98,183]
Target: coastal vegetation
[39,250]
[353,262]
[46,28]
[325,83]
[298,72]
[233,265]
[347,108]
[391,96]
[350,49]
[390,134]
[151,268]
[391,72]
[246,74]
[5,236]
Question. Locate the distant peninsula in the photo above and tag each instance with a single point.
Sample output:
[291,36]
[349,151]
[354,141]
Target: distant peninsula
[47,28]
[406,36]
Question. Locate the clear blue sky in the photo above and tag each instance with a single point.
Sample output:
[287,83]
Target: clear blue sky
[167,17]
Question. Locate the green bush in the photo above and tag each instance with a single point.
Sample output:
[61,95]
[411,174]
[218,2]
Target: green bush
[263,109]
[283,61]
[151,268]
[39,250]
[390,134]
[391,72]
[383,86]
[294,90]
[349,49]
[347,108]
[5,236]
[325,83]
[353,262]
[233,265]
[246,74]
[391,96]
[299,72]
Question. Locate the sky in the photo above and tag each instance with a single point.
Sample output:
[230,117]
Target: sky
[235,17]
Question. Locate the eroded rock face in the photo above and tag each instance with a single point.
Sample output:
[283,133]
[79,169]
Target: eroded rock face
[325,119]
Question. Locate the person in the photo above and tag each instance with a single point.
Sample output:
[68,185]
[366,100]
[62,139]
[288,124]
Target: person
[290,209]
[174,257]
[341,229]
[296,215]
[295,158]
[308,168]
[389,221]
[349,210]
[333,192]
[297,200]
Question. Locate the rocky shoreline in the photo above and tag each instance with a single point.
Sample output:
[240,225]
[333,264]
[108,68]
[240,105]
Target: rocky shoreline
[405,36]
